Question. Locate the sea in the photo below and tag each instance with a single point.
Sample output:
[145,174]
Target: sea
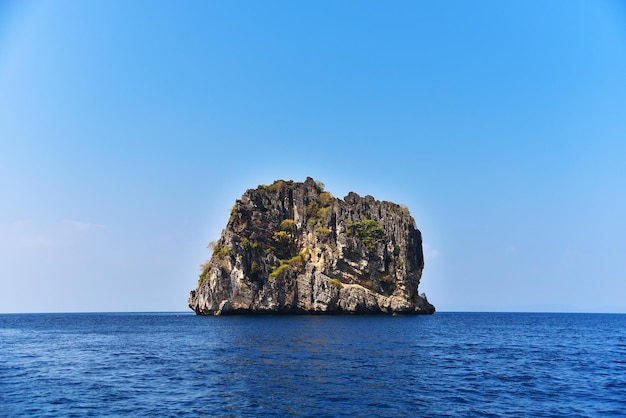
[441,365]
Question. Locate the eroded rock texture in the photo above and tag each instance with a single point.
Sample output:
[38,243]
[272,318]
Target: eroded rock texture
[294,248]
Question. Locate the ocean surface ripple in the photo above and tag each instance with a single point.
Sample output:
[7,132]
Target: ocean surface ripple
[448,364]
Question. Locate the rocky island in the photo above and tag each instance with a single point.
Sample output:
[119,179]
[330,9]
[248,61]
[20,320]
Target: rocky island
[294,248]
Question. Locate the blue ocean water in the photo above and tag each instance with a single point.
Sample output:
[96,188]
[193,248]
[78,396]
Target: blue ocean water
[448,364]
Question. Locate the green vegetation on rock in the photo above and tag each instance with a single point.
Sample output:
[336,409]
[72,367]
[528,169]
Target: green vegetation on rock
[368,231]
[220,251]
[336,283]
[250,245]
[280,185]
[295,261]
[202,278]
[277,270]
[288,225]
[317,210]
[204,272]
[322,230]
[325,199]
[282,238]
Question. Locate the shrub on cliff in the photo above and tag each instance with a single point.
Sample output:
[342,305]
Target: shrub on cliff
[369,231]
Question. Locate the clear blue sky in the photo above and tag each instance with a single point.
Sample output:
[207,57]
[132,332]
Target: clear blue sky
[129,128]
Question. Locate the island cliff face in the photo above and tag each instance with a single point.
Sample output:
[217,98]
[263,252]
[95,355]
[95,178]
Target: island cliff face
[294,248]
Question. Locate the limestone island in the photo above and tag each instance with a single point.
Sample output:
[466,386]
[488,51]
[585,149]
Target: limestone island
[293,248]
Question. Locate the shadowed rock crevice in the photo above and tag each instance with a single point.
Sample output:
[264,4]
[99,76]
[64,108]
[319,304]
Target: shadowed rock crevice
[294,248]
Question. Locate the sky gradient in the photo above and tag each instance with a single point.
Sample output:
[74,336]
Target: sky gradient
[129,128]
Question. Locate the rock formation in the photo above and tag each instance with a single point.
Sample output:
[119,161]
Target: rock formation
[294,248]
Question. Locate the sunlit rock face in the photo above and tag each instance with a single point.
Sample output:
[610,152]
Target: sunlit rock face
[294,248]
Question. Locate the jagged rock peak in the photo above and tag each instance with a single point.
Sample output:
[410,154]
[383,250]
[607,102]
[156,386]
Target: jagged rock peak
[293,247]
